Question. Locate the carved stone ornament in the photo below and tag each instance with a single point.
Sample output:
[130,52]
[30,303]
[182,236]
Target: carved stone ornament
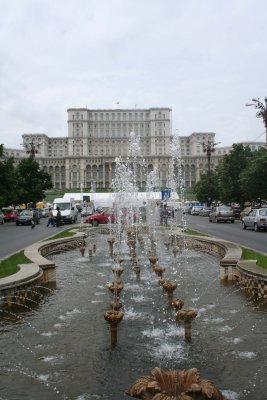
[174,385]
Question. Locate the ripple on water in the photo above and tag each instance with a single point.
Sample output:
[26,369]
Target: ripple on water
[131,314]
[43,378]
[138,299]
[52,359]
[245,354]
[230,395]
[225,328]
[48,334]
[234,340]
[86,396]
[69,314]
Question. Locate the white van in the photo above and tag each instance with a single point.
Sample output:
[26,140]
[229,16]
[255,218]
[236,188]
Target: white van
[68,209]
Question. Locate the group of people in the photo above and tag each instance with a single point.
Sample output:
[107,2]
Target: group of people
[54,221]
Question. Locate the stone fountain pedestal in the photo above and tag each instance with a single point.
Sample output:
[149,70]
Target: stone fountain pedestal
[113,318]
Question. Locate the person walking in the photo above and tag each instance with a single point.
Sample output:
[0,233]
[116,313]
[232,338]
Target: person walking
[31,215]
[164,215]
[35,218]
[51,220]
[58,217]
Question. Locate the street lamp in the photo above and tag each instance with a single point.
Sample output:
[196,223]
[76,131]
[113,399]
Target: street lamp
[31,149]
[209,148]
[262,113]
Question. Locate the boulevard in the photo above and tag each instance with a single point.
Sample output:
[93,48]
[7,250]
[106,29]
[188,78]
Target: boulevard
[15,238]
[231,232]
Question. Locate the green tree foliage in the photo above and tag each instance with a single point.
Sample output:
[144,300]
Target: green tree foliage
[228,172]
[206,186]
[8,181]
[254,178]
[32,182]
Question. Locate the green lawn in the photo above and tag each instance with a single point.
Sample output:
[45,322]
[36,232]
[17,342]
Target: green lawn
[9,265]
[248,254]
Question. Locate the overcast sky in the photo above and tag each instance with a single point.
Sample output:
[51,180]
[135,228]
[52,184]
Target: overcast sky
[205,59]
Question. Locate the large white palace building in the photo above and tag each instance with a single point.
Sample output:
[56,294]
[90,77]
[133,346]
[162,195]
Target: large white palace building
[86,157]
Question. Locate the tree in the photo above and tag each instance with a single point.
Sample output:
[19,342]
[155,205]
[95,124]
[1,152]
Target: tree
[7,182]
[228,173]
[32,182]
[254,178]
[206,186]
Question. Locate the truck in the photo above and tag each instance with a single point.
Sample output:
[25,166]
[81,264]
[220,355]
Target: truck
[68,209]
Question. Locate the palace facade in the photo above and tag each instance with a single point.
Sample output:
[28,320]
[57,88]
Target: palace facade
[86,157]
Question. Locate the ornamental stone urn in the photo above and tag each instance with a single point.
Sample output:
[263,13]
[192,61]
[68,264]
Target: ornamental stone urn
[174,385]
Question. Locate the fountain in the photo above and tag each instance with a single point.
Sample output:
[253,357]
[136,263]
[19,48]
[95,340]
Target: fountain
[178,304]
[61,347]
[113,317]
[169,287]
[187,316]
[159,270]
[174,385]
[82,249]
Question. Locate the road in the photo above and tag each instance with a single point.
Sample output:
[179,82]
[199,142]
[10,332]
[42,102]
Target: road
[15,238]
[232,232]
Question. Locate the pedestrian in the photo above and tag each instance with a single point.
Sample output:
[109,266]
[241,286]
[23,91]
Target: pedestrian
[31,220]
[58,217]
[35,218]
[163,214]
[51,219]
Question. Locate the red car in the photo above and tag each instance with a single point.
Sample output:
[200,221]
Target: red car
[103,217]
[108,215]
[10,214]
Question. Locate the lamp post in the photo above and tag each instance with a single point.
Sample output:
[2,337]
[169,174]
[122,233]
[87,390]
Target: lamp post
[262,113]
[31,149]
[209,148]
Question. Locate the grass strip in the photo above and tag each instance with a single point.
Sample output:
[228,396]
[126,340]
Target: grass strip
[248,254]
[9,266]
[63,234]
[194,232]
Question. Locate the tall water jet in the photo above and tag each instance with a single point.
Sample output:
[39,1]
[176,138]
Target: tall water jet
[111,241]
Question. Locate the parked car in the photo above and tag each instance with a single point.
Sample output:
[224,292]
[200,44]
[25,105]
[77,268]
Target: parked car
[43,212]
[205,212]
[195,210]
[103,217]
[256,219]
[108,215]
[222,214]
[10,214]
[1,218]
[25,218]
